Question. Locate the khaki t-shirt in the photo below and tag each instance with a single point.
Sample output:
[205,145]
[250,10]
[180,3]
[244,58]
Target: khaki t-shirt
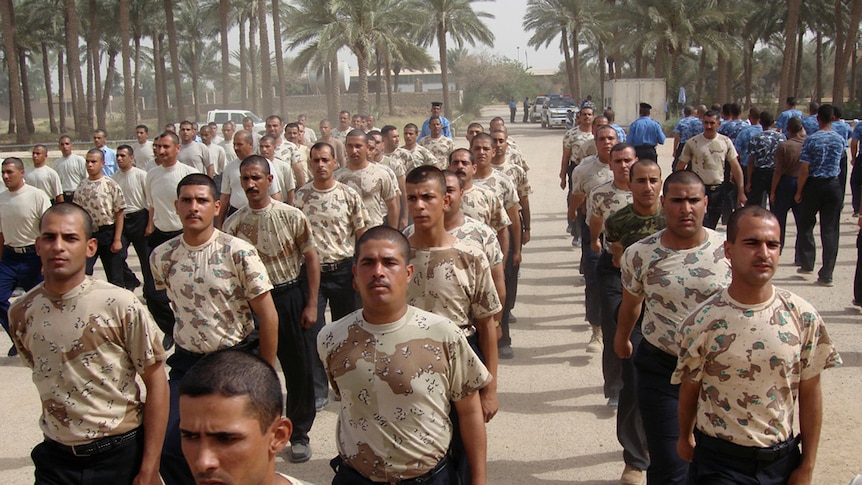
[483,205]
[102,199]
[20,212]
[335,216]
[376,187]
[707,157]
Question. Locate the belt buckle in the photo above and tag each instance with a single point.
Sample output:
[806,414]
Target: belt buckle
[83,453]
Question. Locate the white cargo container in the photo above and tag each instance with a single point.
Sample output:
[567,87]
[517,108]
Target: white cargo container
[625,95]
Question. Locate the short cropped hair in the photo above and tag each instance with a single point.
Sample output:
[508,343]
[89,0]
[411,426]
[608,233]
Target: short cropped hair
[69,208]
[170,134]
[258,160]
[766,119]
[411,125]
[794,125]
[386,130]
[142,127]
[97,151]
[199,179]
[385,233]
[642,162]
[15,161]
[479,137]
[472,157]
[683,177]
[320,146]
[357,132]
[749,210]
[128,148]
[427,173]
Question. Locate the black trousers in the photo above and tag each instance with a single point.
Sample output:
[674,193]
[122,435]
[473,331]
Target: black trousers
[58,466]
[510,274]
[157,300]
[134,226]
[826,198]
[715,199]
[857,280]
[112,262]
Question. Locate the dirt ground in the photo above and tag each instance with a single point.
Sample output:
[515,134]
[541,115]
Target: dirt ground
[553,425]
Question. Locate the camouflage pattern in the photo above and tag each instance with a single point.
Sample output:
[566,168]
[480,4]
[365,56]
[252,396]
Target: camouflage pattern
[673,282]
[707,157]
[85,348]
[101,198]
[400,157]
[590,174]
[604,201]
[396,382]
[440,147]
[518,177]
[280,233]
[483,205]
[751,359]
[628,227]
[395,164]
[288,152]
[502,187]
[209,287]
[335,216]
[375,185]
[420,155]
[514,156]
[573,139]
[762,148]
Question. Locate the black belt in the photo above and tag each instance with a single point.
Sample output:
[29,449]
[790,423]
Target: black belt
[31,249]
[246,345]
[764,169]
[330,267]
[127,215]
[105,228]
[100,446]
[338,462]
[822,179]
[769,454]
[645,146]
[287,285]
[668,359]
[712,186]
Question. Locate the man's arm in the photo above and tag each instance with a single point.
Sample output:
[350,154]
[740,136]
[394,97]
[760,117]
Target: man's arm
[739,180]
[151,226]
[117,244]
[515,233]
[688,395]
[264,308]
[210,171]
[676,138]
[312,270]
[155,423]
[298,174]
[564,164]
[525,213]
[854,150]
[402,187]
[288,199]
[472,426]
[597,226]
[503,239]
[59,199]
[277,196]
[750,169]
[487,328]
[392,211]
[498,274]
[222,212]
[630,311]
[810,421]
[800,184]
[575,202]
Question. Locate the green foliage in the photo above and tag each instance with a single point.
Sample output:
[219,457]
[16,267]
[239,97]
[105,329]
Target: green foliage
[491,79]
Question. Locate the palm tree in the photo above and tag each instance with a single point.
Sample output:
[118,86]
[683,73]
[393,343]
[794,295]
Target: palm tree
[130,113]
[175,57]
[7,17]
[279,56]
[265,65]
[455,19]
[844,43]
[791,24]
[73,56]
[195,35]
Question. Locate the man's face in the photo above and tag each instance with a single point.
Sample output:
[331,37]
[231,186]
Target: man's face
[684,206]
[454,191]
[39,156]
[473,131]
[500,144]
[63,246]
[436,128]
[357,122]
[370,121]
[482,151]
[248,125]
[645,185]
[227,131]
[196,208]
[99,139]
[357,149]
[621,162]
[586,118]
[710,126]
[94,165]
[381,274]
[410,135]
[256,185]
[496,125]
[206,135]
[12,176]
[301,130]
[187,133]
[322,164]
[461,165]
[375,147]
[344,120]
[754,255]
[427,202]
[166,150]
[605,140]
[274,127]
[392,139]
[222,441]
[141,134]
[325,129]
[267,149]
[65,147]
[242,147]
[436,110]
[124,159]
[291,133]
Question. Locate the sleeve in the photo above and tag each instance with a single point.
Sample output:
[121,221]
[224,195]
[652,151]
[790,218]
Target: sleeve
[677,126]
[611,233]
[56,185]
[205,156]
[693,346]
[229,225]
[486,301]
[156,268]
[818,352]
[303,232]
[252,272]
[687,150]
[511,195]
[467,374]
[119,200]
[17,329]
[857,132]
[499,217]
[631,267]
[225,181]
[148,193]
[358,213]
[731,150]
[44,203]
[390,186]
[143,338]
[805,154]
[594,203]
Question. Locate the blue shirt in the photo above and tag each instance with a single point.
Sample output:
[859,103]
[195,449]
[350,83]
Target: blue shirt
[822,152]
[843,129]
[857,132]
[645,131]
[785,116]
[741,142]
[513,104]
[110,157]
[621,133]
[688,127]
[763,147]
[810,124]
[733,128]
[427,131]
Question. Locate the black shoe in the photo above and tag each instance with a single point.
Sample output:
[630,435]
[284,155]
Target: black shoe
[512,318]
[168,342]
[505,352]
[13,351]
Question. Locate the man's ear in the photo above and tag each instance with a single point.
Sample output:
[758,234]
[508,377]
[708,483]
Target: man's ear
[281,430]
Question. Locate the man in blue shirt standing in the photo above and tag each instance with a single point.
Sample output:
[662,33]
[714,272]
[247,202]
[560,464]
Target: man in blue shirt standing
[842,128]
[810,122]
[436,110]
[645,133]
[100,136]
[513,109]
[819,191]
[745,136]
[689,126]
[785,115]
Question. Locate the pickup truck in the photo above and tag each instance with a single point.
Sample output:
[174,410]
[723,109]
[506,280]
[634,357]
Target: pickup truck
[235,115]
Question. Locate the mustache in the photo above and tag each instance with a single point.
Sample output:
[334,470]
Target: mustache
[379,282]
[252,190]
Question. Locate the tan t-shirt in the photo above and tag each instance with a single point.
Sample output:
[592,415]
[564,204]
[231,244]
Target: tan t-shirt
[440,147]
[420,156]
[45,179]
[502,187]
[590,174]
[143,153]
[281,234]
[195,155]
[375,185]
[573,139]
[750,360]
[283,176]
[210,286]
[454,282]
[161,192]
[335,216]
[400,156]
[101,198]
[20,212]
[604,201]
[85,348]
[132,183]
[474,232]
[231,183]
[483,205]
[707,157]
[72,170]
[518,177]
[396,382]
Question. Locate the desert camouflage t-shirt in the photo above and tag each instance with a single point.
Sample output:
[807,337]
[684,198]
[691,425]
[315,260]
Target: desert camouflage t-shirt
[280,233]
[395,164]
[210,286]
[502,187]
[85,348]
[375,185]
[474,232]
[628,227]
[673,282]
[399,156]
[513,155]
[590,174]
[483,205]
[101,198]
[335,216]
[396,381]
[288,152]
[420,155]
[707,157]
[573,139]
[440,147]
[518,177]
[751,359]
[604,201]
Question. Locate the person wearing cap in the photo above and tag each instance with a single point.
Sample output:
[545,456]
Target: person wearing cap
[436,110]
[645,133]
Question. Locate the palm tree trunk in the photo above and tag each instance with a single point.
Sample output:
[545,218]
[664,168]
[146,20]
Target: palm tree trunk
[175,57]
[109,82]
[253,64]
[791,25]
[25,91]
[223,13]
[93,38]
[818,60]
[129,113]
[576,64]
[61,90]
[444,69]
[243,63]
[336,88]
[700,86]
[279,56]
[798,65]
[136,89]
[362,60]
[161,81]
[601,65]
[853,63]
[90,96]
[379,80]
[16,98]
[265,64]
[46,73]
[389,96]
[748,68]
[12,127]
[73,57]
[843,46]
[570,70]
